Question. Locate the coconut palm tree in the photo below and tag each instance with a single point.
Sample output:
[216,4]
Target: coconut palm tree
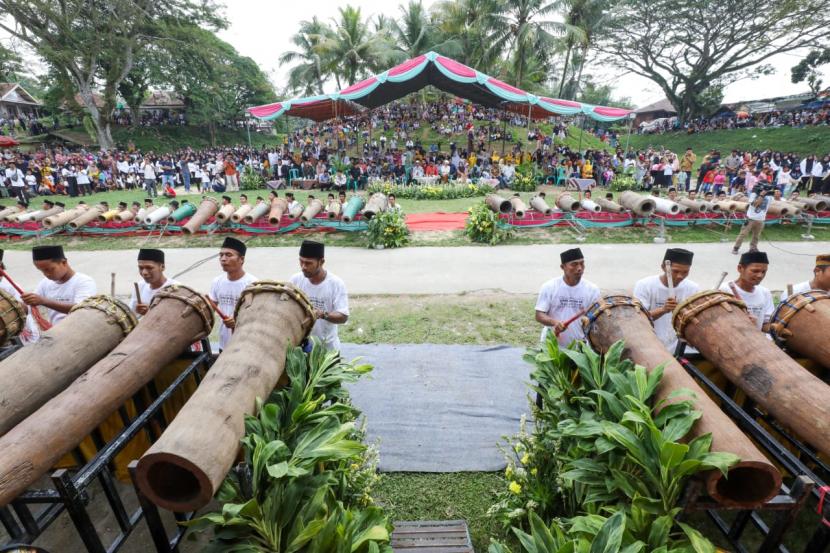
[353,50]
[583,20]
[464,25]
[309,74]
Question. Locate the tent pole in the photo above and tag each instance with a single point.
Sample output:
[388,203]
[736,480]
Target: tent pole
[250,147]
[503,136]
[581,132]
[628,137]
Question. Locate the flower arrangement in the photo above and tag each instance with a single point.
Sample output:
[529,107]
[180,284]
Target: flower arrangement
[432,191]
[483,225]
[388,229]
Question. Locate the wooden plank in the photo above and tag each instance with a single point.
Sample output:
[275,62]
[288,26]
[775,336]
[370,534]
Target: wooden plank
[428,536]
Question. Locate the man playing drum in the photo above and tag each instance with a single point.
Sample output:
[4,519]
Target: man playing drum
[562,298]
[151,269]
[656,296]
[752,268]
[62,288]
[821,277]
[326,291]
[226,289]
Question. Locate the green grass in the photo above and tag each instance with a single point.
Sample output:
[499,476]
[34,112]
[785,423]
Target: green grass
[474,318]
[445,496]
[171,138]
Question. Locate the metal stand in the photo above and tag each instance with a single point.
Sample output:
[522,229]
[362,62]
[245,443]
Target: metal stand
[805,479]
[661,237]
[71,487]
[808,234]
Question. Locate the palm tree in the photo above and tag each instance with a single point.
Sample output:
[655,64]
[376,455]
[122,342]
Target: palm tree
[463,27]
[353,50]
[583,20]
[520,25]
[309,74]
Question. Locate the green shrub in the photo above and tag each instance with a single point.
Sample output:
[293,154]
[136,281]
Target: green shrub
[249,179]
[525,179]
[449,191]
[388,229]
[483,225]
[623,182]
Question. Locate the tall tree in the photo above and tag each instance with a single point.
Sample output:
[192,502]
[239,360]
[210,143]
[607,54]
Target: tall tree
[521,27]
[582,21]
[466,25]
[10,65]
[807,69]
[353,50]
[94,43]
[687,47]
[308,74]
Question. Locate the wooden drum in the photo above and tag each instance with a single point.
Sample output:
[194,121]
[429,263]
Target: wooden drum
[802,324]
[12,317]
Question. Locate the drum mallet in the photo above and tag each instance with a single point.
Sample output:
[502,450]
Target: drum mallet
[567,323]
[38,316]
[137,293]
[789,290]
[216,308]
[669,278]
[720,282]
[735,290]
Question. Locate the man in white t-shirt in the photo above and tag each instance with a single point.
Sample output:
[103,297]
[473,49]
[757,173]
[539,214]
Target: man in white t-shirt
[821,277]
[752,269]
[756,214]
[17,181]
[62,288]
[653,293]
[325,290]
[151,269]
[226,289]
[562,298]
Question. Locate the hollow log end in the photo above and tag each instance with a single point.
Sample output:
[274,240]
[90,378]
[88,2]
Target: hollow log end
[748,485]
[173,482]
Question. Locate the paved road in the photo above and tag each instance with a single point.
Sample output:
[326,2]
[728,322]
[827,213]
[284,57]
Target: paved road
[515,269]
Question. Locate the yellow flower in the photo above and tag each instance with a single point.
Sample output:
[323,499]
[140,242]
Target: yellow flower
[508,472]
[534,471]
[354,467]
[515,487]
[525,459]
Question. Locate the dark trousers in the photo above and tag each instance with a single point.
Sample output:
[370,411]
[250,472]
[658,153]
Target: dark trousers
[19,192]
[72,184]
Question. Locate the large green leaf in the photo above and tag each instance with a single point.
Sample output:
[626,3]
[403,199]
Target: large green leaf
[699,543]
[610,535]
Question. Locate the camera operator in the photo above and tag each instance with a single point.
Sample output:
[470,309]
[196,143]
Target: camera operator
[756,214]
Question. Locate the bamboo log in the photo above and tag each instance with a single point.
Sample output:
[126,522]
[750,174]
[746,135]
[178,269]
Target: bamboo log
[258,212]
[158,215]
[377,204]
[87,217]
[802,324]
[694,206]
[54,221]
[107,215]
[497,203]
[27,216]
[716,324]
[297,211]
[178,316]
[783,209]
[566,202]
[315,206]
[184,468]
[126,215]
[225,213]
[590,205]
[333,209]
[41,215]
[239,215]
[184,211]
[666,207]
[641,205]
[754,480]
[12,216]
[7,211]
[609,205]
[813,204]
[278,208]
[34,374]
[205,211]
[539,204]
[519,207]
[351,209]
[713,207]
[729,205]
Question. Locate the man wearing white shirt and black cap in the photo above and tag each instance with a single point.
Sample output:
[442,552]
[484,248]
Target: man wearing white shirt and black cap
[562,298]
[821,277]
[226,289]
[752,269]
[62,288]
[653,292]
[151,269]
[326,291]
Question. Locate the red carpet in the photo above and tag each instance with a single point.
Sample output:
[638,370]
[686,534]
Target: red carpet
[435,221]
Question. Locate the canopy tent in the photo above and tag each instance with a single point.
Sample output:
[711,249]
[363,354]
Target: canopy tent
[443,73]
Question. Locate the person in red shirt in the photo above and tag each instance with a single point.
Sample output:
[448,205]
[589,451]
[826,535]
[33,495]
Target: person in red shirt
[231,174]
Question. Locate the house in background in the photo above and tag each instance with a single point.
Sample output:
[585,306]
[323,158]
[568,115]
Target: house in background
[657,110]
[16,101]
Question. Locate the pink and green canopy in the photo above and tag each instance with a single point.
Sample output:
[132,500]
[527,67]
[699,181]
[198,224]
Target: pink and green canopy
[442,73]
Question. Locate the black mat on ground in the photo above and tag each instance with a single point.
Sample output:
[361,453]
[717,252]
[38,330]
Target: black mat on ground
[441,408]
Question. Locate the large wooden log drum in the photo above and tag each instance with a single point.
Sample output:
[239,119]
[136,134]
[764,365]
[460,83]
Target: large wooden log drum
[184,468]
[717,325]
[802,324]
[34,374]
[12,321]
[206,210]
[754,480]
[178,316]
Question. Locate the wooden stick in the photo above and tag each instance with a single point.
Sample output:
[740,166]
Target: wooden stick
[112,285]
[669,278]
[720,282]
[137,293]
[41,321]
[216,308]
[789,290]
[567,323]
[735,290]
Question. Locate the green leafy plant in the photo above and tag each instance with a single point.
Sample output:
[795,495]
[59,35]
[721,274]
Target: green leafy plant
[306,479]
[483,225]
[250,179]
[449,191]
[601,446]
[388,229]
[524,179]
[622,182]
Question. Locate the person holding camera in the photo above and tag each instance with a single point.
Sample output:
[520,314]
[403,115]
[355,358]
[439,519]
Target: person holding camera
[756,214]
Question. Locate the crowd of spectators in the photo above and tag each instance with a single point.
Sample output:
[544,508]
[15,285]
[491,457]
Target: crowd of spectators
[797,118]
